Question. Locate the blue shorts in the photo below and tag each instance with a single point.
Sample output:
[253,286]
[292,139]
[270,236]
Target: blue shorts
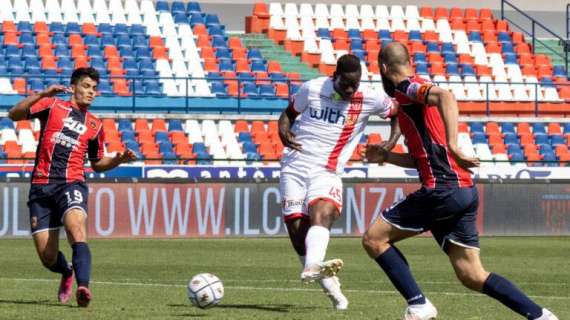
[449,214]
[49,203]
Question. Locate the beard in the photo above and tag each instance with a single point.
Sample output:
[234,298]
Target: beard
[388,85]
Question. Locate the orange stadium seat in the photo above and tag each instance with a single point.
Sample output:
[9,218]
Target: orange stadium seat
[241,126]
[426,12]
[89,29]
[158,125]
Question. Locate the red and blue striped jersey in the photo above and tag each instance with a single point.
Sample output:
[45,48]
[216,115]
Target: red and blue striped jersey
[67,135]
[424,133]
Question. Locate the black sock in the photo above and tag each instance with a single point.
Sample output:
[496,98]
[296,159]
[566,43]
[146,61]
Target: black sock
[394,265]
[81,263]
[61,265]
[508,294]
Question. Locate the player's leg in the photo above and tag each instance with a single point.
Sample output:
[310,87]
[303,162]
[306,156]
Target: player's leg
[293,192]
[45,232]
[470,271]
[402,220]
[73,203]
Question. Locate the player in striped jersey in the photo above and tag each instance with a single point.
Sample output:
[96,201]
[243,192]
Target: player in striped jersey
[58,194]
[320,129]
[447,202]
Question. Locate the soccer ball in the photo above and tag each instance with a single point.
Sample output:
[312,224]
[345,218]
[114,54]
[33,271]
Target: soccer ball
[205,290]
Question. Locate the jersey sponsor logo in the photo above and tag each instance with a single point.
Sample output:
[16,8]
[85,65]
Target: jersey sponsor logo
[64,140]
[289,203]
[74,126]
[327,114]
[92,124]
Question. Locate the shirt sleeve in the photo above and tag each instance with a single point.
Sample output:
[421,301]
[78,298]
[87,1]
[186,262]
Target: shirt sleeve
[40,109]
[415,90]
[300,100]
[96,147]
[385,106]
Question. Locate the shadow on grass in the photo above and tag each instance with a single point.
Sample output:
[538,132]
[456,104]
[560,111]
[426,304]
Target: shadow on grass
[48,303]
[282,308]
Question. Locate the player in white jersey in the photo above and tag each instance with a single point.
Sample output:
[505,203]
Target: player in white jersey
[320,128]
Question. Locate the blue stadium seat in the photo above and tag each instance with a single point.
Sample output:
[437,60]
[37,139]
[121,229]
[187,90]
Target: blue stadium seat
[452,70]
[539,127]
[132,145]
[250,90]
[476,127]
[420,57]
[212,20]
[541,138]
[175,125]
[153,88]
[203,158]
[415,35]
[507,47]
[249,147]
[511,138]
[12,51]
[447,47]
[181,18]
[24,26]
[91,40]
[558,71]
[140,41]
[3,156]
[121,29]
[105,88]
[36,84]
[517,156]
[511,59]
[360,53]
[467,70]
[507,127]
[557,139]
[169,158]
[384,35]
[422,68]
[105,29]
[165,147]
[136,86]
[475,36]
[293,88]
[27,38]
[354,34]
[254,54]
[513,148]
[244,137]
[125,125]
[450,58]
[547,82]
[143,53]
[278,77]
[161,136]
[218,88]
[196,18]
[224,52]
[258,66]
[56,27]
[544,148]
[162,6]
[198,147]
[126,53]
[504,37]
[108,40]
[127,135]
[432,47]
[124,41]
[216,31]
[29,50]
[356,44]
[138,29]
[324,33]
[72,27]
[550,159]
[478,137]
[178,7]
[193,6]
[252,156]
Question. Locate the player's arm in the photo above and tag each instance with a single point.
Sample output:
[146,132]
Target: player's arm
[394,134]
[21,111]
[108,163]
[378,154]
[285,123]
[449,111]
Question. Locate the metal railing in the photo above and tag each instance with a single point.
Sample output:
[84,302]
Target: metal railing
[138,102]
[533,32]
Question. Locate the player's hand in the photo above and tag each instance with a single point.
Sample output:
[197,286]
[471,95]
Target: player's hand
[463,160]
[53,90]
[288,140]
[375,153]
[127,156]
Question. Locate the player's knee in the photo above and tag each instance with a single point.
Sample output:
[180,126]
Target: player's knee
[48,259]
[373,245]
[472,280]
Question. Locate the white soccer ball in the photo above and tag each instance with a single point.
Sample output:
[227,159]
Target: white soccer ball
[205,290]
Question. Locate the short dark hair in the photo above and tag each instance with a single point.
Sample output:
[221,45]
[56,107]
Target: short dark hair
[80,73]
[348,63]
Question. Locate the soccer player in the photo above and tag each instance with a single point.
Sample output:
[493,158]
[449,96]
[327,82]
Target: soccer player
[447,202]
[58,194]
[321,128]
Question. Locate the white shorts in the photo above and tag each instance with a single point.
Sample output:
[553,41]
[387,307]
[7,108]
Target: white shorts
[298,192]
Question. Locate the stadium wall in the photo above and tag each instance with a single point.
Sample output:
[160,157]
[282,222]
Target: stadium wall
[249,209]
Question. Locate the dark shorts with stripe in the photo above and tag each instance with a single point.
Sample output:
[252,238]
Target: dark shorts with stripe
[49,203]
[449,214]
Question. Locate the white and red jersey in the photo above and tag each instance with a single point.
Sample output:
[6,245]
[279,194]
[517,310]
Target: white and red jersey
[329,128]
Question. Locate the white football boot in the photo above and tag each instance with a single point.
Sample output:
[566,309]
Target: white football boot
[426,311]
[547,315]
[331,287]
[321,270]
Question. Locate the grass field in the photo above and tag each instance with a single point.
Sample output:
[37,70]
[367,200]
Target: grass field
[146,279]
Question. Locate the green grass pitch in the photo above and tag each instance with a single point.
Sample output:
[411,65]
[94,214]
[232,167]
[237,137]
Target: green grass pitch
[146,279]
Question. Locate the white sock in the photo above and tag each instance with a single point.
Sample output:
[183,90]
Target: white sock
[316,244]
[328,284]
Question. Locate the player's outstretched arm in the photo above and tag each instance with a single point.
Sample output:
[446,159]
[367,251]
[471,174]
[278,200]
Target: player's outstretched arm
[108,163]
[378,154]
[22,109]
[394,134]
[285,122]
[447,106]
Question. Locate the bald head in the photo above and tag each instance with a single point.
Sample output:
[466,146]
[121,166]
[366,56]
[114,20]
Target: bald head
[394,55]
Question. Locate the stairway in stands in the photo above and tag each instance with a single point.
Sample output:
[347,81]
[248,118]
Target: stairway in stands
[552,44]
[271,51]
